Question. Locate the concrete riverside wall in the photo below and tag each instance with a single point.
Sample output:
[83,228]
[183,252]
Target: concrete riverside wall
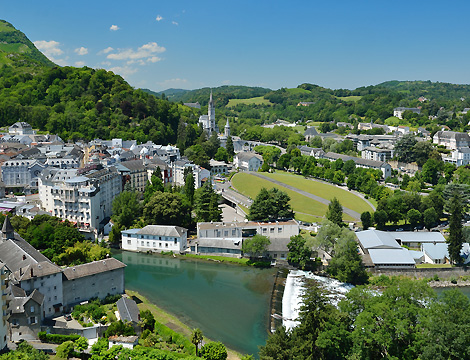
[443,273]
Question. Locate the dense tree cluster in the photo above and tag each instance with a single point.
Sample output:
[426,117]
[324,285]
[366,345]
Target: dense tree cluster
[404,321]
[271,205]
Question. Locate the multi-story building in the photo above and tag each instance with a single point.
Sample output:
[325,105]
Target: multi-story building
[82,196]
[227,237]
[21,173]
[247,161]
[398,112]
[180,166]
[218,167]
[376,154]
[451,139]
[21,128]
[155,238]
[458,157]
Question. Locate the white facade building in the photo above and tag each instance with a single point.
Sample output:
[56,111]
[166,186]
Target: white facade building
[80,196]
[155,238]
[451,139]
[247,161]
[398,112]
[458,157]
[21,128]
[21,173]
[208,121]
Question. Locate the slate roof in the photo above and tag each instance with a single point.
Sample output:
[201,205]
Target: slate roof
[128,310]
[162,230]
[247,156]
[16,305]
[436,251]
[311,131]
[95,267]
[452,135]
[17,253]
[219,243]
[374,239]
[43,268]
[390,257]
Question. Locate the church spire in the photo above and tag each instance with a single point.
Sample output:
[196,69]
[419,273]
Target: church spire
[7,231]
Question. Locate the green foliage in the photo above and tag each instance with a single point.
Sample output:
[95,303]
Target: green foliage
[335,212]
[346,264]
[299,253]
[56,338]
[119,328]
[81,344]
[206,204]
[81,253]
[189,187]
[271,205]
[168,209]
[25,351]
[255,246]
[196,338]
[366,219]
[327,237]
[65,350]
[127,208]
[455,239]
[148,320]
[214,351]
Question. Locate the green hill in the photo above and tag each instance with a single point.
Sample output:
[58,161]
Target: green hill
[15,46]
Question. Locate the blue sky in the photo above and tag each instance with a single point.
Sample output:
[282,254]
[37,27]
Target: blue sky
[191,44]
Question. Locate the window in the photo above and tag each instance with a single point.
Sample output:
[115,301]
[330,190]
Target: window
[32,320]
[32,309]
[176,241]
[55,297]
[166,244]
[128,242]
[279,229]
[148,244]
[159,244]
[142,243]
[233,232]
[265,230]
[271,230]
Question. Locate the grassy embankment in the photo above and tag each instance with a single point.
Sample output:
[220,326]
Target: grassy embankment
[353,98]
[260,100]
[326,191]
[170,321]
[306,209]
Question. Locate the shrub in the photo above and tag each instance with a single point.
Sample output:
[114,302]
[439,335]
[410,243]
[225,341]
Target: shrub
[436,278]
[56,338]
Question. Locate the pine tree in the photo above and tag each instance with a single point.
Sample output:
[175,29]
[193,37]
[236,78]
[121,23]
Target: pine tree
[335,212]
[189,187]
[455,239]
[207,204]
[229,147]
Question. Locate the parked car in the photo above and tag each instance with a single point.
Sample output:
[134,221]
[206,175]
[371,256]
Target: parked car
[68,317]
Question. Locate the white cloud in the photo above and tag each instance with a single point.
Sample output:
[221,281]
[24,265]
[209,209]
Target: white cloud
[174,23]
[146,51]
[173,83]
[106,63]
[159,18]
[154,59]
[123,70]
[114,28]
[49,48]
[81,51]
[106,51]
[79,63]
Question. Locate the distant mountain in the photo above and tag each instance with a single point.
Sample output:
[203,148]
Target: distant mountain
[170,94]
[221,94]
[16,47]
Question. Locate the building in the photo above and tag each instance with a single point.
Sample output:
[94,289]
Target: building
[398,112]
[127,342]
[82,196]
[155,238]
[137,173]
[21,128]
[22,173]
[309,151]
[179,167]
[226,238]
[247,161]
[364,163]
[26,313]
[4,313]
[218,167]
[208,121]
[129,313]
[195,105]
[451,139]
[310,133]
[459,157]
[376,154]
[96,279]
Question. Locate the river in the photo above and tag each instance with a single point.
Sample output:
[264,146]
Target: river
[229,303]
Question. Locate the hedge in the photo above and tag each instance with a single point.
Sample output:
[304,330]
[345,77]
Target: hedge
[56,338]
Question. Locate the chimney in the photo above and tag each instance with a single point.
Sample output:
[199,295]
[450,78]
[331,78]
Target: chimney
[32,272]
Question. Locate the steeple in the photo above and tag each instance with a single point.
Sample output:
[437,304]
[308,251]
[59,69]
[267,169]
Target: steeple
[7,231]
[210,100]
[227,129]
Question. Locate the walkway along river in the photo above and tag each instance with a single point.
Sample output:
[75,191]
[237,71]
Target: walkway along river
[229,303]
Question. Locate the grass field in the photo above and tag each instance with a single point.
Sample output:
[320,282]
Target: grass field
[322,190]
[256,101]
[433,266]
[298,91]
[349,98]
[306,209]
[314,123]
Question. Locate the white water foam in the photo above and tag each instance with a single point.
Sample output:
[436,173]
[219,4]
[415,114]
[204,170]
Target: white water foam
[294,289]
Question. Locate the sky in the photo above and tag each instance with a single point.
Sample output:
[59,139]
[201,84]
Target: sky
[190,44]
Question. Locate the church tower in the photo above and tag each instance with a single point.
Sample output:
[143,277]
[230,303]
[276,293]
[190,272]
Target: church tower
[211,113]
[227,130]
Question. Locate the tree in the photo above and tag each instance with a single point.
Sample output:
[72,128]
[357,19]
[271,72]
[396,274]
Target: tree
[366,219]
[299,253]
[256,246]
[189,187]
[119,328]
[196,339]
[64,350]
[206,204]
[430,218]
[148,320]
[432,170]
[155,184]
[455,239]
[404,148]
[126,208]
[346,264]
[414,217]
[380,218]
[168,209]
[271,205]
[81,344]
[221,155]
[335,212]
[327,237]
[229,147]
[214,351]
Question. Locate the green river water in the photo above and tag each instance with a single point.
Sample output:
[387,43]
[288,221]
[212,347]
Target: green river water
[229,303]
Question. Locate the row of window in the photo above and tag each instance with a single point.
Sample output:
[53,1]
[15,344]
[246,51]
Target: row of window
[152,243]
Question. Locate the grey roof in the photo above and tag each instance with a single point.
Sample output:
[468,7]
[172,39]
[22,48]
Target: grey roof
[128,310]
[419,236]
[409,109]
[278,244]
[124,339]
[40,269]
[17,253]
[435,250]
[16,291]
[391,256]
[133,165]
[452,135]
[162,230]
[247,156]
[311,131]
[92,268]
[375,239]
[16,305]
[7,227]
[219,243]
[358,161]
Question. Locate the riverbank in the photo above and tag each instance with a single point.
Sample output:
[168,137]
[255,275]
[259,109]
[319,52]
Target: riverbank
[171,321]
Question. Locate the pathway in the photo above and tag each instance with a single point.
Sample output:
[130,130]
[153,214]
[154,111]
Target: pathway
[350,212]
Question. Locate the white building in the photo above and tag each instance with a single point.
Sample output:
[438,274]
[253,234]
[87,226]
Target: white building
[398,112]
[82,196]
[178,169]
[208,121]
[155,238]
[247,161]
[21,173]
[376,154]
[218,167]
[451,139]
[458,157]
[21,128]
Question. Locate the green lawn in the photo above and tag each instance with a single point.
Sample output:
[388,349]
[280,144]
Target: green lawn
[428,266]
[349,98]
[256,101]
[312,211]
[326,191]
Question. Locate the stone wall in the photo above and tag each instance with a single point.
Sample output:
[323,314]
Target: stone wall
[443,273]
